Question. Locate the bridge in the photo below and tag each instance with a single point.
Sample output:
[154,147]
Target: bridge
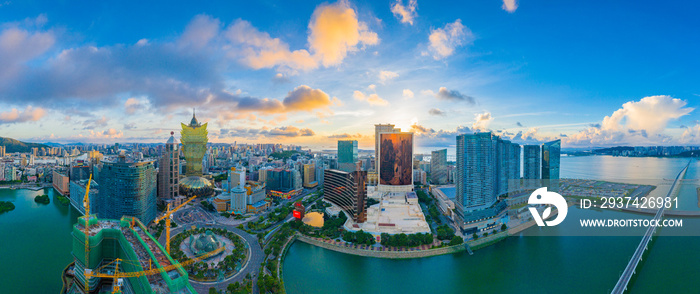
[626,276]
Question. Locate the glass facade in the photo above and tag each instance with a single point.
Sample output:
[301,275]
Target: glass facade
[438,167]
[127,189]
[347,155]
[486,168]
[348,191]
[551,152]
[531,166]
[396,159]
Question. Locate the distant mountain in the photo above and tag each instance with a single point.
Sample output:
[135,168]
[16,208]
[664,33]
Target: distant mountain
[12,145]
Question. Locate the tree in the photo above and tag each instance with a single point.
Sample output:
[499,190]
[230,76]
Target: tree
[456,240]
[212,290]
[475,236]
[503,227]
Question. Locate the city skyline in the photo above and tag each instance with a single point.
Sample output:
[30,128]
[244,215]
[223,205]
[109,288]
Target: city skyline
[263,73]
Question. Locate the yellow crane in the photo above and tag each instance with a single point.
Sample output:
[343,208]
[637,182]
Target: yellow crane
[86,204]
[166,216]
[120,275]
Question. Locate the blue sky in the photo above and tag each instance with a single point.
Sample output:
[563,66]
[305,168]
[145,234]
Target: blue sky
[593,73]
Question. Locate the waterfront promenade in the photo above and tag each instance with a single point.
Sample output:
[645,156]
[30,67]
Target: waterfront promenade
[350,249]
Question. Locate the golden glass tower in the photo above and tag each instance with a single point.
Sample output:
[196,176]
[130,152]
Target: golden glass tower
[194,146]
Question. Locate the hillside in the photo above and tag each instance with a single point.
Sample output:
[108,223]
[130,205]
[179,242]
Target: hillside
[12,145]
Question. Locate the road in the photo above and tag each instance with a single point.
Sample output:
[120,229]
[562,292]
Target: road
[195,215]
[252,267]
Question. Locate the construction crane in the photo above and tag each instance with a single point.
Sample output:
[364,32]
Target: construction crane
[166,216]
[117,276]
[86,205]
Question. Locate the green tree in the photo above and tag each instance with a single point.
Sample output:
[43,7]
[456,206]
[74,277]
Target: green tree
[456,240]
[503,227]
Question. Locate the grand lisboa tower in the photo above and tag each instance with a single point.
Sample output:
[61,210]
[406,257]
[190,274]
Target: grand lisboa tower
[194,146]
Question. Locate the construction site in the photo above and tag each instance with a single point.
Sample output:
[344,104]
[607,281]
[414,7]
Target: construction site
[122,256]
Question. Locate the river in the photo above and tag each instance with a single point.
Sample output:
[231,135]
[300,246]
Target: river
[539,262]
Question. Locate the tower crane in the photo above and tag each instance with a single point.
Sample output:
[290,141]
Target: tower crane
[166,216]
[86,217]
[117,276]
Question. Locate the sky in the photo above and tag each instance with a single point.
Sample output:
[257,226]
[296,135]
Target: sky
[591,73]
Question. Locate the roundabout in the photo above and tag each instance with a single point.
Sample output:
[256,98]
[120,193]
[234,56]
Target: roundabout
[198,241]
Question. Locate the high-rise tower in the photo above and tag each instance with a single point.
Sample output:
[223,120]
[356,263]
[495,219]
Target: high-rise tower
[169,171]
[194,146]
[551,152]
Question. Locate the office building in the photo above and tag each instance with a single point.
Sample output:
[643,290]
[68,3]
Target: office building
[79,171]
[310,176]
[396,162]
[348,191]
[378,129]
[169,171]
[77,192]
[438,167]
[282,182]
[347,155]
[551,152]
[2,151]
[531,166]
[236,177]
[127,188]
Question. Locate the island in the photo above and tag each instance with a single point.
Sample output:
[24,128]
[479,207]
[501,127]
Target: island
[6,206]
[42,199]
[63,200]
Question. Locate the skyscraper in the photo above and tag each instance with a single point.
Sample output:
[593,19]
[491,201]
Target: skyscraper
[378,129]
[310,176]
[169,171]
[438,167]
[347,155]
[484,165]
[396,162]
[531,166]
[551,152]
[194,146]
[127,188]
[348,191]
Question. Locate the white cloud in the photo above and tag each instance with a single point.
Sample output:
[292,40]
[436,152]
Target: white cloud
[385,76]
[334,30]
[407,93]
[18,46]
[372,99]
[640,122]
[691,135]
[510,5]
[482,121]
[372,87]
[200,31]
[405,14]
[132,105]
[444,41]
[17,116]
